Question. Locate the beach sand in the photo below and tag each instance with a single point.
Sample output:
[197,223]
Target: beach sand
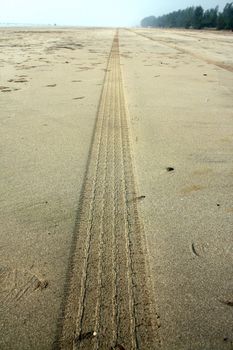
[178,97]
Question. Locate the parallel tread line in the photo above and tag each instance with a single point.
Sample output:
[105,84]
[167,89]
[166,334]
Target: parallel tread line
[109,290]
[180,49]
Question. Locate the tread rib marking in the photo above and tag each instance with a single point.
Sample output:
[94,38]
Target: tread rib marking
[108,302]
[222,65]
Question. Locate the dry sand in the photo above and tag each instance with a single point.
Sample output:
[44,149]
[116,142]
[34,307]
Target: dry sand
[178,88]
[181,110]
[45,140]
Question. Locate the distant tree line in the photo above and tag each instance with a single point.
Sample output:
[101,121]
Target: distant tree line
[194,17]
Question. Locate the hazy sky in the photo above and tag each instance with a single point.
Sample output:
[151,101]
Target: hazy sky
[92,12]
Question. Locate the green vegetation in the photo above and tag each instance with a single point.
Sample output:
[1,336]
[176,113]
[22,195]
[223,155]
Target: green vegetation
[194,17]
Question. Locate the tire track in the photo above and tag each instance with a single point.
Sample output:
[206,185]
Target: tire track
[108,304]
[182,50]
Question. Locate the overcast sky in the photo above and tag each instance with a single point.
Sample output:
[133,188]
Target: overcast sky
[92,12]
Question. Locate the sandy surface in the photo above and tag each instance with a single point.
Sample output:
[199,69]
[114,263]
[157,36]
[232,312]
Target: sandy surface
[182,117]
[180,106]
[45,139]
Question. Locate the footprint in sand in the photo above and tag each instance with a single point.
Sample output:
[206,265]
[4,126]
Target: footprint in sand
[16,285]
[5,89]
[21,80]
[78,98]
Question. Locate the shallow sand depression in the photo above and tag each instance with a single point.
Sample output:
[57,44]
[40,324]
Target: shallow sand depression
[116,189]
